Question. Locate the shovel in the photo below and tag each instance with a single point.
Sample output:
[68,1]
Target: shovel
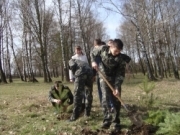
[135,118]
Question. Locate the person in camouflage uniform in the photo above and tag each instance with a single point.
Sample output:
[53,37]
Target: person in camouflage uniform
[61,97]
[83,78]
[113,67]
[97,43]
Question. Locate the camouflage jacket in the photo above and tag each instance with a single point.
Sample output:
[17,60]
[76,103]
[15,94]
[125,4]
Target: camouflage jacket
[126,58]
[97,60]
[64,94]
[113,67]
[79,67]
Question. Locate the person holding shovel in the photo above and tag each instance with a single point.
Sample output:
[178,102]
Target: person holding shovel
[113,67]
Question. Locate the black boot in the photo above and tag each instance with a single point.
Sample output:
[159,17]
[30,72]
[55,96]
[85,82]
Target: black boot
[106,124]
[87,113]
[73,118]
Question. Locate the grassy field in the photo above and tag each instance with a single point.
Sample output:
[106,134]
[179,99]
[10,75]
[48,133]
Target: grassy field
[25,109]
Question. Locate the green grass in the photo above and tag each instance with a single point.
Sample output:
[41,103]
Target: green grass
[25,109]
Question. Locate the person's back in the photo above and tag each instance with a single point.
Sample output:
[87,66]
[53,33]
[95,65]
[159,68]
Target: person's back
[83,77]
[79,67]
[97,44]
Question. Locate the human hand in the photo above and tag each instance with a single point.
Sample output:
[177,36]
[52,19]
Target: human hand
[57,101]
[116,92]
[71,80]
[94,65]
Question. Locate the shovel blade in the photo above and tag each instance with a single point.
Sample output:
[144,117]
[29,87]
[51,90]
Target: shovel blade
[136,119]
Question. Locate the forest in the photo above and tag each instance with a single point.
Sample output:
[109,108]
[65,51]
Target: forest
[37,37]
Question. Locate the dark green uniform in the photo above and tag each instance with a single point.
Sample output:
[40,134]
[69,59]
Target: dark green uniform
[64,94]
[126,58]
[113,67]
[83,78]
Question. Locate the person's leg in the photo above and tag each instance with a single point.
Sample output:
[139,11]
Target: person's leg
[99,88]
[89,96]
[79,86]
[117,107]
[56,108]
[83,100]
[105,103]
[111,109]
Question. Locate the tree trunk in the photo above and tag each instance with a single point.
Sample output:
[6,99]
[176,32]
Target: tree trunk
[30,60]
[61,40]
[146,60]
[57,72]
[40,39]
[150,70]
[3,76]
[140,60]
[8,57]
[62,72]
[15,59]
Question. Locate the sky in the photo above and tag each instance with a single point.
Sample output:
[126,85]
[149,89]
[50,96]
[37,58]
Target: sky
[111,23]
[111,20]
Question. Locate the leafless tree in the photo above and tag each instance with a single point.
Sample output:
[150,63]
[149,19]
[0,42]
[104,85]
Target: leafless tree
[37,21]
[3,24]
[156,25]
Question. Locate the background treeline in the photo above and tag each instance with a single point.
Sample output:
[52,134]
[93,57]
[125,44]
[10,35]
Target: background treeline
[37,37]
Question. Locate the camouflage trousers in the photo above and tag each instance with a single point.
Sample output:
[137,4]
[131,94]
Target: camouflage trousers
[108,96]
[82,89]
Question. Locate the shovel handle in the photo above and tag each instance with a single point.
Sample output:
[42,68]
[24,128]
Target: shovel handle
[110,86]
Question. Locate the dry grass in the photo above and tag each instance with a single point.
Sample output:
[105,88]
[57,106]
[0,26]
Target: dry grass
[166,91]
[25,109]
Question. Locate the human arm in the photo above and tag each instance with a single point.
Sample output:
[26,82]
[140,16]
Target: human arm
[126,58]
[52,98]
[84,58]
[96,51]
[120,74]
[71,76]
[72,66]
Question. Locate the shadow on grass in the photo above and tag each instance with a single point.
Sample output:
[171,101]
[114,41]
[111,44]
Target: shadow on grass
[172,107]
[133,82]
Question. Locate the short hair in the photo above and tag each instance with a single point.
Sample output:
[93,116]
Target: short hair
[78,47]
[56,83]
[103,43]
[118,44]
[97,41]
[110,40]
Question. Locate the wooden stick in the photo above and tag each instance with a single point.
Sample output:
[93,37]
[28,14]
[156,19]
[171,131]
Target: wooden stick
[110,86]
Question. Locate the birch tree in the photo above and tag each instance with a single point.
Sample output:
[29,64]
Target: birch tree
[38,21]
[58,6]
[2,29]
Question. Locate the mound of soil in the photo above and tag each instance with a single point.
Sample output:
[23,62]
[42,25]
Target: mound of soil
[143,130]
[63,116]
